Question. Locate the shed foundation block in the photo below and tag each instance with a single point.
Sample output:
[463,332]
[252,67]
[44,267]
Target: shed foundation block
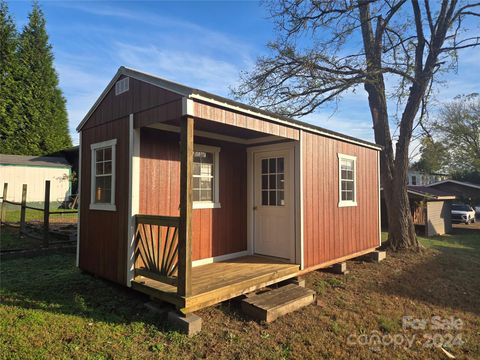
[159,308]
[340,268]
[375,256]
[300,281]
[190,324]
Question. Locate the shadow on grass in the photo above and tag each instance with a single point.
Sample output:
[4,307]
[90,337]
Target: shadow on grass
[53,283]
[449,278]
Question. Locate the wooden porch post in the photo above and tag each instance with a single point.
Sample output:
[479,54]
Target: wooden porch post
[184,287]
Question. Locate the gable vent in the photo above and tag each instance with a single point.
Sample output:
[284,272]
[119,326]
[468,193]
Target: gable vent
[122,86]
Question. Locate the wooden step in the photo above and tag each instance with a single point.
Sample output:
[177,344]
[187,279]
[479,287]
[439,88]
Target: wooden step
[270,305]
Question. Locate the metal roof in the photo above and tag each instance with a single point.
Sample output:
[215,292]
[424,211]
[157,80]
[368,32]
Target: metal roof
[429,192]
[461,183]
[43,161]
[190,92]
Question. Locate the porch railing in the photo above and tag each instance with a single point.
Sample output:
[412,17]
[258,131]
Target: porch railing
[156,247]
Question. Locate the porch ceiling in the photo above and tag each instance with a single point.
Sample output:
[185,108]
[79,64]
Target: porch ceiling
[223,129]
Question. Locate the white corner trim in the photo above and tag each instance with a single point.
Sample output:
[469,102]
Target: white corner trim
[103,206]
[134,195]
[300,202]
[347,203]
[379,202]
[187,106]
[219,258]
[250,202]
[77,261]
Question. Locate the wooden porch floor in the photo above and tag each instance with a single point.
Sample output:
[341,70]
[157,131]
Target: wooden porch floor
[220,281]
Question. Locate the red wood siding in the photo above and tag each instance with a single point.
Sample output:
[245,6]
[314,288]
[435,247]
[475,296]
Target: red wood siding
[215,231]
[140,97]
[103,234]
[332,232]
[229,117]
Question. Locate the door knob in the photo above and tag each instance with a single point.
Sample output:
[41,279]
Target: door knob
[255,207]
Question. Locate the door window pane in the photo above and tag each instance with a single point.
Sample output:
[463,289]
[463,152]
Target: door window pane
[273,181]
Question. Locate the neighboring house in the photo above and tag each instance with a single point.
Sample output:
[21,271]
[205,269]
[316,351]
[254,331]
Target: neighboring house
[17,170]
[420,178]
[431,209]
[193,198]
[464,191]
[71,155]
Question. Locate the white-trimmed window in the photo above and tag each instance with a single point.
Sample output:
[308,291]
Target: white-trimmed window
[103,176]
[347,180]
[205,185]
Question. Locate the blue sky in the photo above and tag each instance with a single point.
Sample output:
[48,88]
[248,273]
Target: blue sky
[201,44]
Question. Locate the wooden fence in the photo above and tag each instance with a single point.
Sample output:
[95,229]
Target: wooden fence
[23,209]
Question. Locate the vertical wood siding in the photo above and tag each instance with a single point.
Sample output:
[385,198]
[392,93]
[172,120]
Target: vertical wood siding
[140,97]
[229,117]
[103,234]
[438,218]
[331,232]
[215,231]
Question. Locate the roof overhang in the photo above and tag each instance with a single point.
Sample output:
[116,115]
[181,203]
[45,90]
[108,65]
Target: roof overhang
[192,94]
[431,196]
[474,186]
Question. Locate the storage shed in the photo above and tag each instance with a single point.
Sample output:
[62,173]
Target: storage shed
[466,192]
[193,198]
[17,170]
[430,209]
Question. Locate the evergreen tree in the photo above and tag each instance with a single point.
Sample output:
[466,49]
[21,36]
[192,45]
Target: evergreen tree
[9,95]
[43,113]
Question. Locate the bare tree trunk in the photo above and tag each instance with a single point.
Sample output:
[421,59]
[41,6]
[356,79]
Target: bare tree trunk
[394,166]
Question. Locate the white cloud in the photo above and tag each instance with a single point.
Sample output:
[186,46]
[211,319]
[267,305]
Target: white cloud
[182,66]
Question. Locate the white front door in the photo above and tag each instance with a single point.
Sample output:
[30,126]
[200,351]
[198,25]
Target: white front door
[274,221]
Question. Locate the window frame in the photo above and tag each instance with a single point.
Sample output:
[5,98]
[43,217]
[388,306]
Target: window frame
[215,204]
[347,203]
[93,158]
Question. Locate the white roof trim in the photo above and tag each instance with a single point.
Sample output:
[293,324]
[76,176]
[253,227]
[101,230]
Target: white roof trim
[191,93]
[456,182]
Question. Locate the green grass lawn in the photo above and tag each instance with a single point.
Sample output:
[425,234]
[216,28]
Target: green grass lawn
[12,215]
[49,309]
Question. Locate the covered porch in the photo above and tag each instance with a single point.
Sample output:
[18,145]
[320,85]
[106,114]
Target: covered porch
[165,263]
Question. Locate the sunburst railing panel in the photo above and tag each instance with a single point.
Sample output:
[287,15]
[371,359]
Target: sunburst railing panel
[156,247]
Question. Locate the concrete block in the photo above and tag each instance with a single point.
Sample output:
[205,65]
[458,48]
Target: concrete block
[189,324]
[300,281]
[159,308]
[378,255]
[340,268]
